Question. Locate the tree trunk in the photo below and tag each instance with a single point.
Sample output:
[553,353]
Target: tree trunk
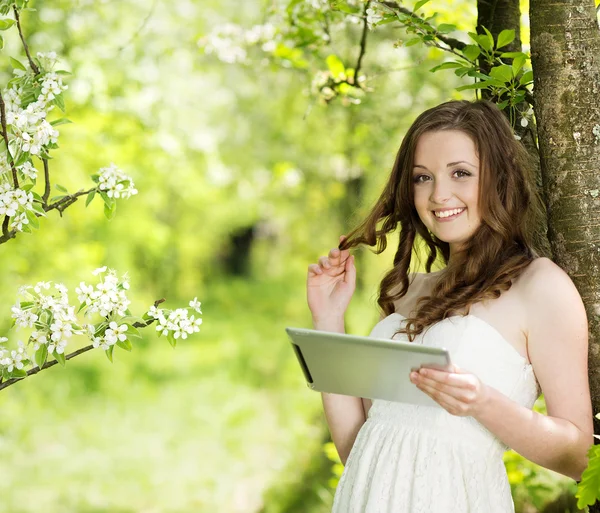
[565,50]
[496,16]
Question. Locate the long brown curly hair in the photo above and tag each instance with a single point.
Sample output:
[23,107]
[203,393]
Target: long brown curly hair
[501,247]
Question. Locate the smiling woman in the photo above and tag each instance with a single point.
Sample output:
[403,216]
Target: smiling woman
[513,321]
[447,191]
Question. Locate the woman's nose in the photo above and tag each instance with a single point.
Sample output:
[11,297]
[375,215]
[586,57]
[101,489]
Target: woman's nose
[441,192]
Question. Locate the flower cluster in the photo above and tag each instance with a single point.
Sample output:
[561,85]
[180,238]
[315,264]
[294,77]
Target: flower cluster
[115,183]
[15,359]
[108,297]
[49,313]
[375,14]
[113,334]
[177,323]
[15,203]
[52,85]
[229,42]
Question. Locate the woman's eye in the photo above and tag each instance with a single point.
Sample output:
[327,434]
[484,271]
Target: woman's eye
[417,179]
[464,173]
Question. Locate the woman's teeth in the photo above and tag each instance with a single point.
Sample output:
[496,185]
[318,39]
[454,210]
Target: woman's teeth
[448,213]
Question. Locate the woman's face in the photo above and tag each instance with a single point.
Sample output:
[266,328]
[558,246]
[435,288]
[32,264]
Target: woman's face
[446,177]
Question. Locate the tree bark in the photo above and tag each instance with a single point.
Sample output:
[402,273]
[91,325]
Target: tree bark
[565,53]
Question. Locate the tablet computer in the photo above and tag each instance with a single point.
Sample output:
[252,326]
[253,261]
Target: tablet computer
[373,368]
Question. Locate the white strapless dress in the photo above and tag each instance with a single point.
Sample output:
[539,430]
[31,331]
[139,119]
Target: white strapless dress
[422,459]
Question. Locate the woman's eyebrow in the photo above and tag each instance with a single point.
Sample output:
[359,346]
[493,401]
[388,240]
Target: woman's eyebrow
[450,164]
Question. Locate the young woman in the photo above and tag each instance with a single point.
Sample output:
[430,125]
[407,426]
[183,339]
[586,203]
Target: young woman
[514,323]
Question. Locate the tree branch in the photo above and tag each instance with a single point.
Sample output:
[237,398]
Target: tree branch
[85,349]
[35,69]
[47,182]
[363,43]
[454,44]
[65,202]
[5,137]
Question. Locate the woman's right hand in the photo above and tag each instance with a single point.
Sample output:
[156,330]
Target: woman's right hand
[330,284]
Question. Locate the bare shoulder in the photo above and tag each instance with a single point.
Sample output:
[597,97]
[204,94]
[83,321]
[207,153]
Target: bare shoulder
[546,289]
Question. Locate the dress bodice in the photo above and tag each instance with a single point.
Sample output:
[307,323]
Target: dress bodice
[477,347]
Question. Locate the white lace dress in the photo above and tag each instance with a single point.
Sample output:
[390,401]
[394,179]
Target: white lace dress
[422,459]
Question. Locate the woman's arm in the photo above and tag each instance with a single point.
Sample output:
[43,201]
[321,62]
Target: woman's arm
[345,414]
[558,349]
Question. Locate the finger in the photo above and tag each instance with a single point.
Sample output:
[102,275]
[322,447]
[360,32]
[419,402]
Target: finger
[350,276]
[314,270]
[449,378]
[324,262]
[335,256]
[449,403]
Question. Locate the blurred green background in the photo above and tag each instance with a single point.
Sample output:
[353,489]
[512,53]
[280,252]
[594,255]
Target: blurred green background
[244,179]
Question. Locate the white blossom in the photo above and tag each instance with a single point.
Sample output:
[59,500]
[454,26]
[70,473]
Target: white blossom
[15,358]
[116,183]
[374,16]
[13,201]
[107,298]
[179,323]
[23,318]
[195,304]
[27,169]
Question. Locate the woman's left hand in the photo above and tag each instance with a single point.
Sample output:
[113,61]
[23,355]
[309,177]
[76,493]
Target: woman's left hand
[458,392]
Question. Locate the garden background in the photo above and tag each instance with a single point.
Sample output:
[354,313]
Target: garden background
[245,176]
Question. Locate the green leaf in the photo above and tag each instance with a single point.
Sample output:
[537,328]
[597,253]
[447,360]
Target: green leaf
[503,73]
[171,339]
[59,102]
[96,178]
[18,373]
[447,65]
[505,37]
[412,42]
[490,39]
[133,331]
[6,23]
[109,353]
[32,218]
[90,197]
[419,4]
[335,65]
[17,64]
[476,74]
[445,28]
[471,52]
[61,121]
[61,188]
[588,489]
[477,85]
[526,78]
[482,40]
[502,105]
[41,355]
[512,55]
[518,64]
[125,344]
[109,210]
[60,358]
